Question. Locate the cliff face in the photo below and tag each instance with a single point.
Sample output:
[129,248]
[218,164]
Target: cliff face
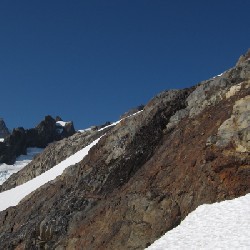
[186,148]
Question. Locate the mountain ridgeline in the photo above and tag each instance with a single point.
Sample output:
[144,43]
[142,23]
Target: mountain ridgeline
[145,175]
[20,139]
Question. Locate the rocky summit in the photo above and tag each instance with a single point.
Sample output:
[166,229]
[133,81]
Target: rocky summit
[3,129]
[145,175]
[45,132]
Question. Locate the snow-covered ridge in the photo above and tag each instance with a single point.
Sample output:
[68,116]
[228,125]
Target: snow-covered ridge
[13,196]
[7,170]
[224,225]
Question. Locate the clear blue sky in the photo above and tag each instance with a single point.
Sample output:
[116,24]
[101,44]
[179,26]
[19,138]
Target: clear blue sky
[90,61]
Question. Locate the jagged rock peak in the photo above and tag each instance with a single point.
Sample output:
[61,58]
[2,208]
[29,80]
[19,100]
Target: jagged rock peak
[45,132]
[244,58]
[58,118]
[3,129]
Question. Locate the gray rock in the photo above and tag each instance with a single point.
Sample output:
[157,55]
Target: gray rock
[211,92]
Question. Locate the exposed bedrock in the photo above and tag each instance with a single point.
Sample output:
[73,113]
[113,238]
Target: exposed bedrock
[186,148]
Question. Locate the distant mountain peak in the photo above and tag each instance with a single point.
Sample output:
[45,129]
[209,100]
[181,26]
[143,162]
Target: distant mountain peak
[244,58]
[20,139]
[3,129]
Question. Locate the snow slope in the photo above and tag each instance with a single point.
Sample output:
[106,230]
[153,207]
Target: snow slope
[7,170]
[224,225]
[13,196]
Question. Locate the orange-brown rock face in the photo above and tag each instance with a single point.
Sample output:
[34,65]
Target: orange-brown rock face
[186,148]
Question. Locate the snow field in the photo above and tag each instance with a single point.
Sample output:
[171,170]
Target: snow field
[13,196]
[7,170]
[224,225]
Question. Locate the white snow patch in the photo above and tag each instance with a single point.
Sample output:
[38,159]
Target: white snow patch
[13,196]
[224,225]
[61,123]
[219,75]
[114,123]
[7,170]
[84,130]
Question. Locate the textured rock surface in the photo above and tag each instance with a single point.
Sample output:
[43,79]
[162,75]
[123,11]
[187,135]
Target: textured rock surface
[146,174]
[236,129]
[3,129]
[212,91]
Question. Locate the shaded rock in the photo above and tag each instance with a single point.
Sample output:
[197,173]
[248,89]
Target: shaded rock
[68,129]
[3,129]
[40,136]
[13,145]
[58,118]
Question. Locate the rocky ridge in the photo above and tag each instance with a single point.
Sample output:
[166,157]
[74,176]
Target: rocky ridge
[53,154]
[132,111]
[186,148]
[45,132]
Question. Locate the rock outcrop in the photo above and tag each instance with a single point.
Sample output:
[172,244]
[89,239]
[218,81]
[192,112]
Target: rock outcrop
[13,146]
[3,129]
[44,133]
[186,148]
[132,111]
